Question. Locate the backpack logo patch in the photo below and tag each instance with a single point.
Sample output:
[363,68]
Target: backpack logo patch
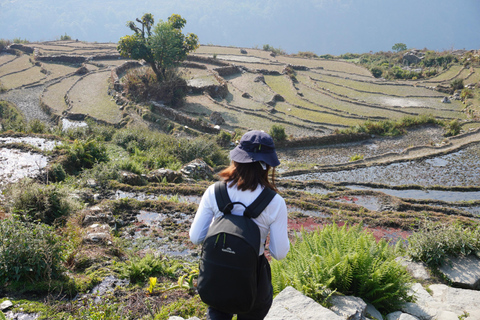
[228,250]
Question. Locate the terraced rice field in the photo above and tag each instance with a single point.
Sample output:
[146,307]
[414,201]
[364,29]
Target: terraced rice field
[321,96]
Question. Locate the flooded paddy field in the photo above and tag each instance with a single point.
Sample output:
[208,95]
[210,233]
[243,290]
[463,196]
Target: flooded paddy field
[341,153]
[461,168]
[17,162]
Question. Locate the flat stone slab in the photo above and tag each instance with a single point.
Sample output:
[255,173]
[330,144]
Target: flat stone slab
[457,300]
[418,270]
[348,307]
[6,304]
[292,305]
[463,271]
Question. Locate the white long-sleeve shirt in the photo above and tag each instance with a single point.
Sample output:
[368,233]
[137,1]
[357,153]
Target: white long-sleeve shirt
[272,220]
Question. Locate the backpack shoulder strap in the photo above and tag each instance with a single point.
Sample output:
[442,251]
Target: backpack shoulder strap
[224,203]
[257,206]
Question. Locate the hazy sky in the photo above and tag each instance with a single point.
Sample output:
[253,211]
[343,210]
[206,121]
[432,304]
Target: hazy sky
[321,26]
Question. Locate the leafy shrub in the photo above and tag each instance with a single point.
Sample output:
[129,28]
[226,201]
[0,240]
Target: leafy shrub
[38,202]
[327,56]
[434,242]
[20,40]
[28,252]
[277,132]
[139,270]
[37,126]
[466,94]
[11,118]
[4,44]
[452,128]
[456,84]
[277,51]
[376,71]
[132,166]
[142,85]
[356,157]
[307,54]
[224,138]
[102,173]
[56,173]
[204,148]
[346,260]
[65,37]
[349,56]
[84,154]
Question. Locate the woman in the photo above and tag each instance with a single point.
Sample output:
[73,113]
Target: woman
[246,177]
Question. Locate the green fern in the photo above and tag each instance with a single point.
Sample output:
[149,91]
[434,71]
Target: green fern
[348,260]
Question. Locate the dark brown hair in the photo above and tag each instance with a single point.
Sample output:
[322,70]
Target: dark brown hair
[247,176]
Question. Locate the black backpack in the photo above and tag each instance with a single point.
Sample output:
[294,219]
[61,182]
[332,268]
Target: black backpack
[228,270]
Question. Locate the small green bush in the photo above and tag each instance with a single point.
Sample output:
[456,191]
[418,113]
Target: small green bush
[84,154]
[277,132]
[466,94]
[452,128]
[307,54]
[456,84]
[142,85]
[4,44]
[376,71]
[356,157]
[56,173]
[28,252]
[93,130]
[434,242]
[37,126]
[38,202]
[139,270]
[347,260]
[277,51]
[224,139]
[11,118]
[65,37]
[102,174]
[20,40]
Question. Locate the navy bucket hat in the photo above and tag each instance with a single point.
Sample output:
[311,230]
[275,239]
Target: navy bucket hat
[255,146]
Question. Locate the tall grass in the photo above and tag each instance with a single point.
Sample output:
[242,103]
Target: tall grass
[156,150]
[11,118]
[346,260]
[391,127]
[33,201]
[434,242]
[28,252]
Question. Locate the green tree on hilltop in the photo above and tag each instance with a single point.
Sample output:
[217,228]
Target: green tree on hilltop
[162,46]
[398,47]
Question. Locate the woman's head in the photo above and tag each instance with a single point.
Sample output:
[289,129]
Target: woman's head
[251,162]
[255,146]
